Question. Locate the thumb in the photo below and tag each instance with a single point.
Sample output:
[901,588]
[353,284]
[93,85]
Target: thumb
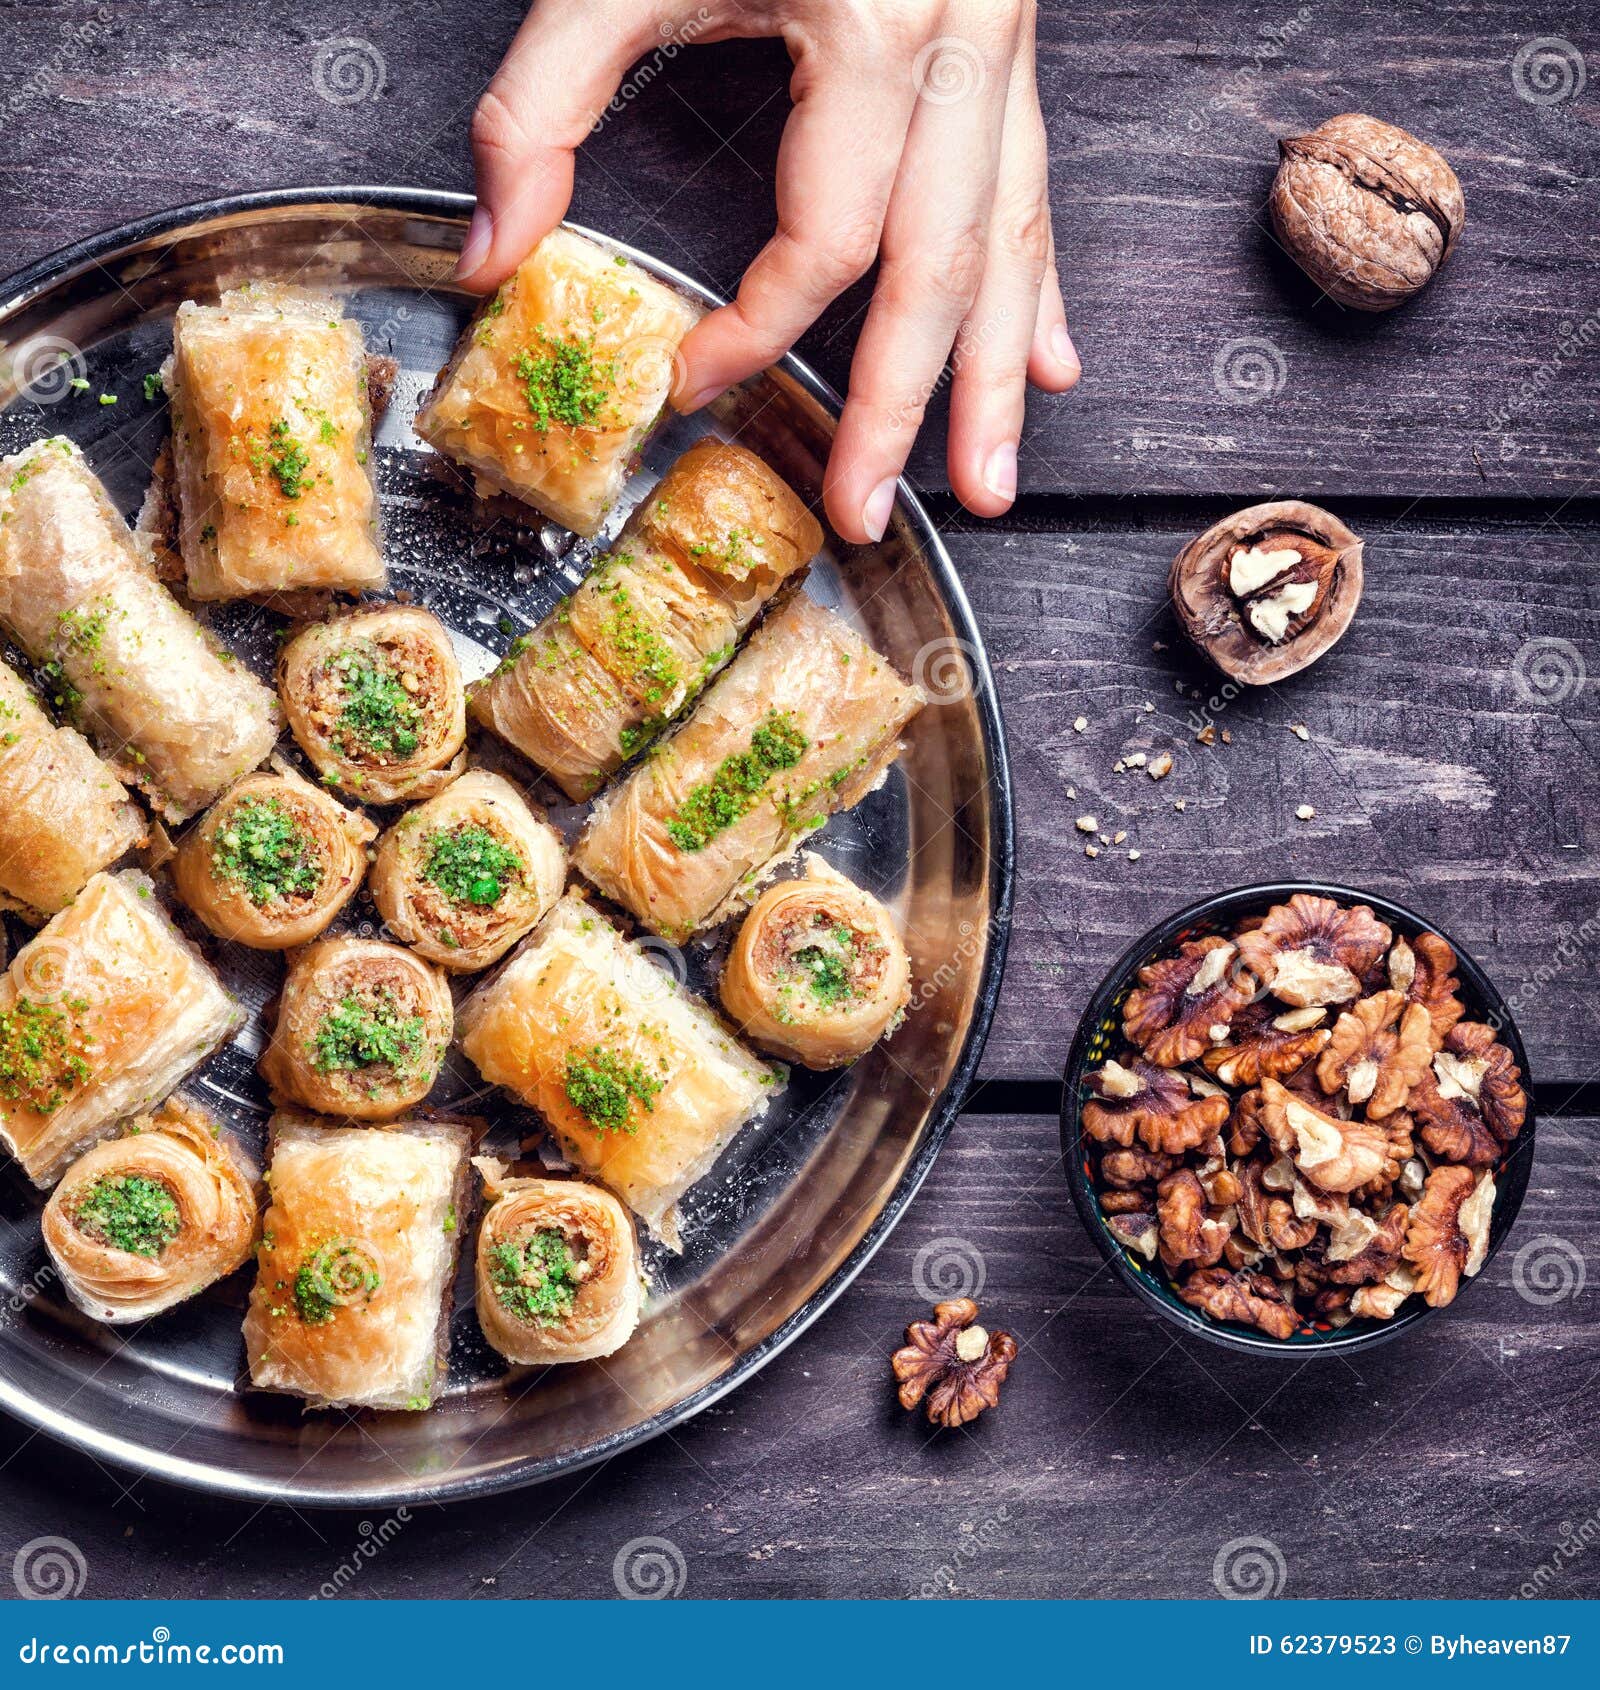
[550,92]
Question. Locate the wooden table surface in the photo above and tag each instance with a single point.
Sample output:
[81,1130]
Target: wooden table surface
[1451,762]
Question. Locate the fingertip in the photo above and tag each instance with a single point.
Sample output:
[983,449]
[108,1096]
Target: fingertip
[476,248]
[1053,362]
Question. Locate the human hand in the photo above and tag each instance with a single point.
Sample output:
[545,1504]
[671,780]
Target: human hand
[916,140]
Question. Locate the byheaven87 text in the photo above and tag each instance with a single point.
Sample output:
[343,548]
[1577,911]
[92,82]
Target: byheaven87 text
[1454,1648]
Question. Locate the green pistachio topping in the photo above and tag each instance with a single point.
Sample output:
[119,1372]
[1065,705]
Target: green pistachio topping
[39,1066]
[732,791]
[378,714]
[536,1277]
[603,1087]
[470,865]
[366,1035]
[262,849]
[563,382]
[339,1274]
[129,1212]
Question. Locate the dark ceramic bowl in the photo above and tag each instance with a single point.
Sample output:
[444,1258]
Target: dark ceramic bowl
[1100,1032]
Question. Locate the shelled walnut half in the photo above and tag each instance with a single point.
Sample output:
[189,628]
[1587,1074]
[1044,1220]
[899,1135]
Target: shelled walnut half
[952,1364]
[1268,590]
[1367,210]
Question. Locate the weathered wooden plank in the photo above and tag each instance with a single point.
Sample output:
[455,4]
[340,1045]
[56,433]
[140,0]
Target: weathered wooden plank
[1163,134]
[1451,761]
[1119,1462]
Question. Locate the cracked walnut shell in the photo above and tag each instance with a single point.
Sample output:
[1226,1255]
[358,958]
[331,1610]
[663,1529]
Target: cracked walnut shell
[1266,591]
[952,1364]
[1367,210]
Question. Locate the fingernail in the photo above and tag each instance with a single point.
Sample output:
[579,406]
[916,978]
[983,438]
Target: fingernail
[696,400]
[475,248]
[1062,349]
[875,512]
[1000,473]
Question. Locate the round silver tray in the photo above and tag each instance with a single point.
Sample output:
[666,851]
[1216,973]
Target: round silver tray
[794,1211]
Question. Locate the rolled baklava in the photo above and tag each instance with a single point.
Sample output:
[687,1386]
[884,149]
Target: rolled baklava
[64,815]
[559,378]
[557,1269]
[273,861]
[626,655]
[144,1221]
[362,1030]
[804,724]
[818,973]
[102,1013]
[376,702]
[174,710]
[639,1081]
[351,1306]
[272,443]
[461,878]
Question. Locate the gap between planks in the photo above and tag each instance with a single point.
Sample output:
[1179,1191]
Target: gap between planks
[1043,1097]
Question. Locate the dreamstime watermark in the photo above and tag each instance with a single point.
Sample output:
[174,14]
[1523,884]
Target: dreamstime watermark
[944,669]
[1233,95]
[950,68]
[674,38]
[46,369]
[347,70]
[1248,370]
[1573,340]
[949,1267]
[1574,945]
[1576,1541]
[1548,1270]
[45,77]
[649,1569]
[49,1569]
[374,1540]
[25,1294]
[970,340]
[949,971]
[1548,71]
[1548,670]
[972,1542]
[1249,1569]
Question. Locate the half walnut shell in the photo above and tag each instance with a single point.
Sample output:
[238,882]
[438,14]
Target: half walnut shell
[1367,210]
[1268,590]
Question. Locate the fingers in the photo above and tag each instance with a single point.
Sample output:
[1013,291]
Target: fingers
[836,167]
[558,76]
[993,348]
[935,243]
[1053,362]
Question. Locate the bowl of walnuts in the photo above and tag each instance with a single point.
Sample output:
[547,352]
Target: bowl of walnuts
[1297,1118]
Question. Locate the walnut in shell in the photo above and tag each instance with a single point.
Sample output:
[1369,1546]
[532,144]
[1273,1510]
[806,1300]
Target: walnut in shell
[1368,211]
[1268,590]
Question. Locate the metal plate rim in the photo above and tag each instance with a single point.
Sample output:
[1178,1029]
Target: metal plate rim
[16,292]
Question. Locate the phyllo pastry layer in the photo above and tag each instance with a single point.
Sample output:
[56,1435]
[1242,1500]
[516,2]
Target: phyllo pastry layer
[64,815]
[144,1221]
[557,1269]
[559,378]
[658,617]
[351,1306]
[173,709]
[101,1015]
[803,724]
[641,1083]
[272,444]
